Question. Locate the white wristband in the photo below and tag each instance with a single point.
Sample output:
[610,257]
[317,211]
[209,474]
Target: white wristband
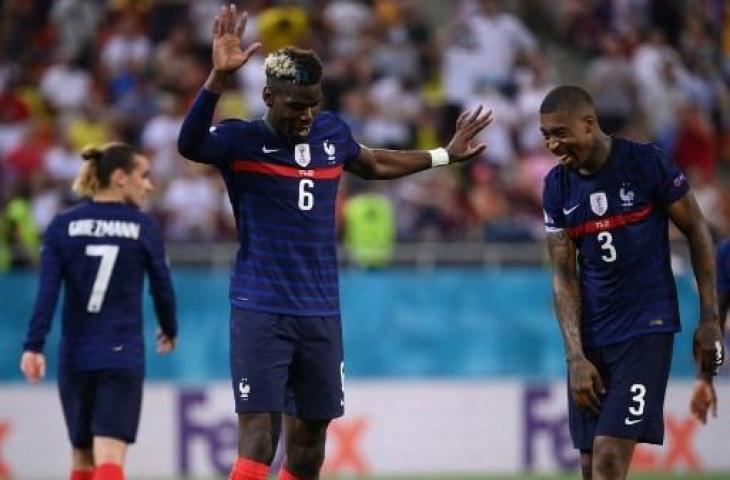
[439,156]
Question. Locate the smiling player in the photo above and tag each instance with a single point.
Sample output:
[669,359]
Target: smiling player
[607,206]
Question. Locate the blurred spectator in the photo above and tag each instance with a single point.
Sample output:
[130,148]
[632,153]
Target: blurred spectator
[501,39]
[175,61]
[159,137]
[696,149]
[369,229]
[21,239]
[127,48]
[610,79]
[347,21]
[190,205]
[65,84]
[61,162]
[76,22]
[534,83]
[90,128]
[284,23]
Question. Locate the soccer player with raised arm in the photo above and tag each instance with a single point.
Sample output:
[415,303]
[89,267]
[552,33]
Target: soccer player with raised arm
[607,206]
[282,174]
[100,251]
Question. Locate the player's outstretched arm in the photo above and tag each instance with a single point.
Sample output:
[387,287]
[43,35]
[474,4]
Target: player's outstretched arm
[33,366]
[586,384]
[227,54]
[708,347]
[196,141]
[379,164]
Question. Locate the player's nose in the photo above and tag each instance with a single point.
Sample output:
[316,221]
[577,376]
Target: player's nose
[553,146]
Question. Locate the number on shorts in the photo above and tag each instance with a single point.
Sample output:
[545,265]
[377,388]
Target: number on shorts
[606,239]
[108,254]
[639,391]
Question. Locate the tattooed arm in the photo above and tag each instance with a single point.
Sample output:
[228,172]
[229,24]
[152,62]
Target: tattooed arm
[586,385]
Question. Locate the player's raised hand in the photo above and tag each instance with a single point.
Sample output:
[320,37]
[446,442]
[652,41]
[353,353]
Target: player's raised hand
[708,347]
[704,399]
[586,385]
[468,126]
[165,344]
[33,366]
[228,29]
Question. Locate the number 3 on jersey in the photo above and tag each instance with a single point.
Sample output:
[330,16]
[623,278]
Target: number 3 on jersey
[306,197]
[605,239]
[108,254]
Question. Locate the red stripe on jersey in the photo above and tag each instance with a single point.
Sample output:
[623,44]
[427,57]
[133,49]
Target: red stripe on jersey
[609,223]
[326,173]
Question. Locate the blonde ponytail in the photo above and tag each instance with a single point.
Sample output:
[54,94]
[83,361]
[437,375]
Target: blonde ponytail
[87,183]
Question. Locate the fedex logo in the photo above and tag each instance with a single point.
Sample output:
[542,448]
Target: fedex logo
[541,426]
[217,438]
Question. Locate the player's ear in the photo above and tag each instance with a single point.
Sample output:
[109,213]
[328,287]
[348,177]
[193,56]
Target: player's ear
[590,123]
[118,178]
[268,96]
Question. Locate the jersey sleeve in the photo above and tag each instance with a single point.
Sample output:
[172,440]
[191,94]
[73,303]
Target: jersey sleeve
[671,184]
[350,146]
[198,140]
[49,286]
[552,204]
[163,295]
[723,268]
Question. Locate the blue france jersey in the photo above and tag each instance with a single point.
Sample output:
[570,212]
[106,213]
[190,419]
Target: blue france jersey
[283,197]
[100,252]
[618,221]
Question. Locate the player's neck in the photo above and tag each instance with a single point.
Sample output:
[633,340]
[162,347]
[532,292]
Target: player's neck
[108,196]
[270,126]
[599,155]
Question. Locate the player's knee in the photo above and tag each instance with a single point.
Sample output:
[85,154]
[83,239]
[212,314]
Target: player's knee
[305,461]
[305,451]
[258,446]
[609,463]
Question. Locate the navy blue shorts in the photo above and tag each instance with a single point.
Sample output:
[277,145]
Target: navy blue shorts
[289,364]
[100,403]
[635,373]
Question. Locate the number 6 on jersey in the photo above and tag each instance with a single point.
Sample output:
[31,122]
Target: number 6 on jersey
[306,197]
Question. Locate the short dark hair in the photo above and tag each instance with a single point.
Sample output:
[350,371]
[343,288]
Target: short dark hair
[293,65]
[565,97]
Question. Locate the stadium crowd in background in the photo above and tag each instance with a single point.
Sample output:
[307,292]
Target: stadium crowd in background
[74,73]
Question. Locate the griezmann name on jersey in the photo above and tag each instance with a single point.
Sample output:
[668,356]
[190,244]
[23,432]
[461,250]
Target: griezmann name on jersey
[100,252]
[618,221]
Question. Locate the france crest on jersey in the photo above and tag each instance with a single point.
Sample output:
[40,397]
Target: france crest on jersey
[283,197]
[617,219]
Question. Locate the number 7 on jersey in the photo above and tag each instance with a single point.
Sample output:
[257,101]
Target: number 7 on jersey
[108,254]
